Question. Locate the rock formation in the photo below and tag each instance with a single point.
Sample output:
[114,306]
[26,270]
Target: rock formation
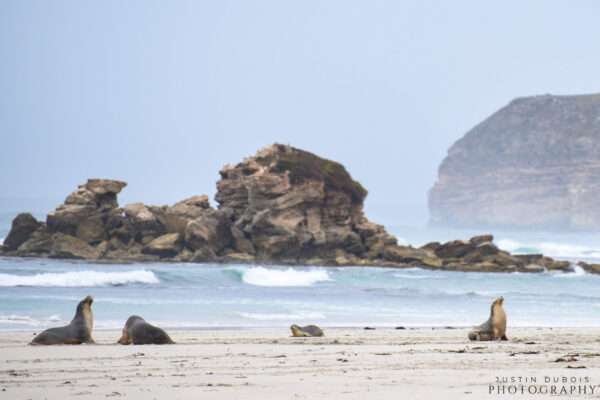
[283,205]
[534,164]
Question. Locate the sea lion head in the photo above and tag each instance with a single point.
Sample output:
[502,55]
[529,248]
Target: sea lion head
[296,330]
[125,336]
[496,307]
[84,313]
[85,303]
[84,307]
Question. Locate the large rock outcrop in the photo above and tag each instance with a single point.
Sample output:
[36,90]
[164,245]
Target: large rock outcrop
[534,164]
[289,205]
[283,205]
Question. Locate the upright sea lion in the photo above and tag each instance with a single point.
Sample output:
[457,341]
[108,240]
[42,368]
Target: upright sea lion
[306,331]
[495,327]
[138,331]
[77,332]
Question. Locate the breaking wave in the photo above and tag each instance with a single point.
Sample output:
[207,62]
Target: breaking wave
[577,272]
[27,320]
[260,276]
[80,279]
[549,249]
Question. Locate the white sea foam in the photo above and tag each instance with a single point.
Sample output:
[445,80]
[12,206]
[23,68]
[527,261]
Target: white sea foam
[261,276]
[577,272]
[79,279]
[282,317]
[15,319]
[551,249]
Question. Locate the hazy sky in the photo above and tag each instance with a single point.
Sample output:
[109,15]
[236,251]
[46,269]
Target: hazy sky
[162,94]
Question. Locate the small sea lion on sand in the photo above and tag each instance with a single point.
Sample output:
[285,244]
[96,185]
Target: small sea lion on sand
[138,331]
[77,332]
[495,327]
[306,331]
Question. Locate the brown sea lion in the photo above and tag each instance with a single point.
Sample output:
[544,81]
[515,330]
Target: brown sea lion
[138,331]
[306,331]
[495,327]
[77,332]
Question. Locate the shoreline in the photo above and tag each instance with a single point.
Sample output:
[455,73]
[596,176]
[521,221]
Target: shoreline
[267,363]
[284,330]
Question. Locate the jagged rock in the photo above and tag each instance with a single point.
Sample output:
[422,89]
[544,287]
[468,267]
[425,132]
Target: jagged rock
[454,249]
[91,229]
[22,228]
[105,187]
[433,246]
[477,240]
[554,265]
[533,268]
[409,255]
[177,216]
[210,230]
[66,246]
[144,221]
[85,211]
[164,246]
[534,164]
[238,258]
[481,252]
[288,204]
[204,254]
[546,263]
[39,243]
[591,268]
[283,205]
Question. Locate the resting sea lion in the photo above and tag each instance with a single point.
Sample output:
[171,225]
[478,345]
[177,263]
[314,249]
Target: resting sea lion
[495,327]
[138,331]
[306,331]
[77,332]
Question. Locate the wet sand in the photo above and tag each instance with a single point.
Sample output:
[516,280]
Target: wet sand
[384,363]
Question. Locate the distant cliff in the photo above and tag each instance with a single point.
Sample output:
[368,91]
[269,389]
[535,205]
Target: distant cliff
[534,164]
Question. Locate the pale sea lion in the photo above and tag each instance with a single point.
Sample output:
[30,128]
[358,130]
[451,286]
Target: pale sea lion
[495,327]
[138,331]
[77,332]
[306,331]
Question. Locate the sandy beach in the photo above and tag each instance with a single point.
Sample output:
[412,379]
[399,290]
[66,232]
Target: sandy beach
[263,363]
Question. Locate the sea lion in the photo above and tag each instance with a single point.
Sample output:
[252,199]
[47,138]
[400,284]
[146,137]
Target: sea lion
[77,332]
[495,327]
[138,331]
[306,331]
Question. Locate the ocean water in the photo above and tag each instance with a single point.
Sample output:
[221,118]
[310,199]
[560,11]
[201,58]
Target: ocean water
[39,293]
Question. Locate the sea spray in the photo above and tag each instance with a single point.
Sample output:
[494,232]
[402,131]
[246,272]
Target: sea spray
[550,249]
[261,276]
[79,279]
